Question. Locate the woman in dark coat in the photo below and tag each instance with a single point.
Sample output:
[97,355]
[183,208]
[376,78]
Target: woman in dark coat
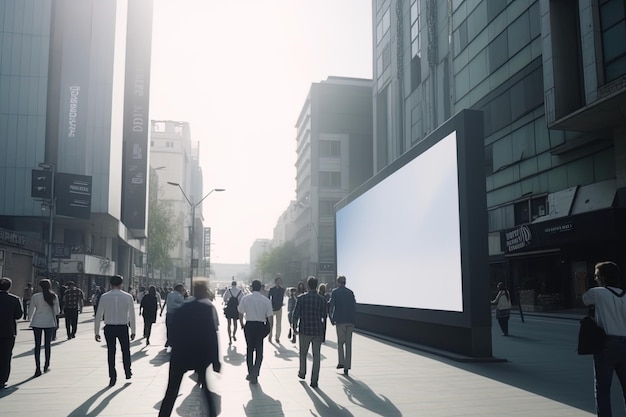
[148,309]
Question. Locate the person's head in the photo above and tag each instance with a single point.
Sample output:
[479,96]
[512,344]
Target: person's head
[233,284]
[5,283]
[300,288]
[278,280]
[311,282]
[29,285]
[501,286]
[256,285]
[179,287]
[152,290]
[292,292]
[322,289]
[341,281]
[45,285]
[70,284]
[200,289]
[116,281]
[48,295]
[607,274]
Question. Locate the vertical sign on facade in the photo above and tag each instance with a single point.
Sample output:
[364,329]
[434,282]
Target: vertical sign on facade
[207,243]
[136,118]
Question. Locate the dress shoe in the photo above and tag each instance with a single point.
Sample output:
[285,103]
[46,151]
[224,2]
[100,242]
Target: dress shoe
[340,366]
[345,372]
[46,368]
[278,341]
[313,384]
[301,376]
[112,381]
[129,375]
[37,373]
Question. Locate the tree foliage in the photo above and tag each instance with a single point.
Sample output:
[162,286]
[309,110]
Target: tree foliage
[161,230]
[277,261]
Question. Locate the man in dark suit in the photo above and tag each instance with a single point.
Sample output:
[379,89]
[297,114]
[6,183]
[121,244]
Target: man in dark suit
[10,311]
[193,339]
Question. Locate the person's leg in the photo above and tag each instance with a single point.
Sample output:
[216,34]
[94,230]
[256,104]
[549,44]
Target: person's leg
[258,347]
[109,336]
[341,340]
[603,373]
[249,348]
[47,334]
[168,320]
[25,308]
[303,350]
[148,330]
[206,392]
[74,322]
[122,335]
[316,342]
[37,333]
[348,339]
[173,386]
[505,325]
[279,318]
[270,320]
[6,350]
[66,313]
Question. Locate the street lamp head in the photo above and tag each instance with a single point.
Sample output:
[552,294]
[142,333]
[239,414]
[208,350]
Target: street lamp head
[219,189]
[46,165]
[175,184]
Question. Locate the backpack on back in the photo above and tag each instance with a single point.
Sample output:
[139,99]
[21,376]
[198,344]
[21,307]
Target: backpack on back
[231,309]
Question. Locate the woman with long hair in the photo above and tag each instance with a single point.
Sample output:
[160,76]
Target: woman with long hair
[45,306]
[148,309]
[503,308]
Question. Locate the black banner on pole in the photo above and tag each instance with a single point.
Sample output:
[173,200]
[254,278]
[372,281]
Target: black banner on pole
[207,242]
[73,193]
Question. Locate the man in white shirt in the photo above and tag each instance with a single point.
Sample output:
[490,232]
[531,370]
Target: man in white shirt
[610,314]
[117,309]
[257,309]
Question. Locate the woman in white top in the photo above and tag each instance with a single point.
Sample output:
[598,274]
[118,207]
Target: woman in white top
[503,308]
[45,307]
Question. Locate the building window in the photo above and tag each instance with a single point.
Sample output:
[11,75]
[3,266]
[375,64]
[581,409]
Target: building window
[613,25]
[158,127]
[383,26]
[528,210]
[330,148]
[416,47]
[327,207]
[330,179]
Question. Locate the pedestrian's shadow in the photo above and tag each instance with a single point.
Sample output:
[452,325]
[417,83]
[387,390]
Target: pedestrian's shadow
[330,344]
[262,404]
[233,357]
[12,388]
[83,409]
[324,405]
[195,404]
[284,353]
[139,354]
[161,358]
[362,395]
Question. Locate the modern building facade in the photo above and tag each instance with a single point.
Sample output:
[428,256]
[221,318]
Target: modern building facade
[549,77]
[334,156]
[176,157]
[64,75]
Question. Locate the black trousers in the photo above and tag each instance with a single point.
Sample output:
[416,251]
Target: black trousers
[111,335]
[6,351]
[173,386]
[255,332]
[71,321]
[47,345]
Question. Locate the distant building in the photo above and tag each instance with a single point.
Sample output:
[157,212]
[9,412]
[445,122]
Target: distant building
[258,249]
[334,156]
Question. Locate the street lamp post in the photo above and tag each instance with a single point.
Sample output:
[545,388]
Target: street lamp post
[193,223]
[49,166]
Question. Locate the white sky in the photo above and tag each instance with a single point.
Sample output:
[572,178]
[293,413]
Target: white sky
[239,71]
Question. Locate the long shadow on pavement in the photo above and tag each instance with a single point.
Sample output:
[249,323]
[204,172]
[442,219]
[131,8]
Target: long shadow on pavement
[324,405]
[161,358]
[233,357]
[83,409]
[262,404]
[361,394]
[12,388]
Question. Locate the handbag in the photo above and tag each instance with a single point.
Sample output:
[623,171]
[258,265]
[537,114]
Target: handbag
[591,337]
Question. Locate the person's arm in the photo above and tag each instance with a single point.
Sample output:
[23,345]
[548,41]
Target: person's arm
[296,315]
[17,314]
[131,316]
[96,321]
[331,308]
[56,307]
[495,301]
[81,300]
[163,306]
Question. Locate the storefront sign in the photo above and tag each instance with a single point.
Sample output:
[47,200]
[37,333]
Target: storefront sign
[559,228]
[517,239]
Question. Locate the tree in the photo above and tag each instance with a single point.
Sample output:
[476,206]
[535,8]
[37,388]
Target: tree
[161,229]
[277,261]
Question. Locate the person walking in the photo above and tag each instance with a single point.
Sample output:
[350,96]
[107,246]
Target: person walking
[73,300]
[277,298]
[117,309]
[309,316]
[610,314]
[291,305]
[257,310]
[232,298]
[148,308]
[194,347]
[46,308]
[342,308]
[96,298]
[26,296]
[10,312]
[503,308]
[174,300]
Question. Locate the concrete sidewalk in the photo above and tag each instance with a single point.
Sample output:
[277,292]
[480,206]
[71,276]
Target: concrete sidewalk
[542,376]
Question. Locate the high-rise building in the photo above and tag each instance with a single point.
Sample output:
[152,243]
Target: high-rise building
[74,93]
[549,77]
[334,156]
